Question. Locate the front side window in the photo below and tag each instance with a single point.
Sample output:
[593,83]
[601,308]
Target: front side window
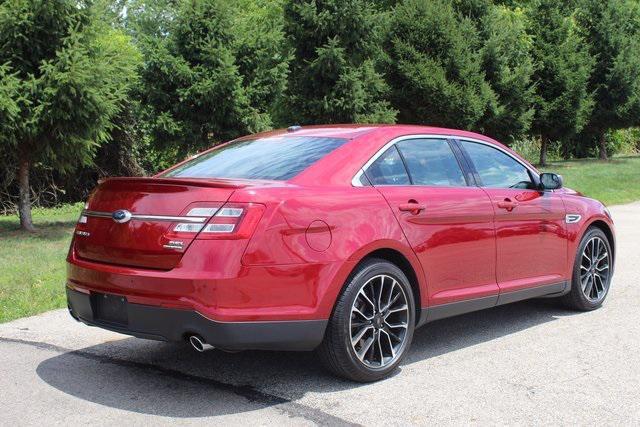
[388,169]
[497,169]
[276,158]
[431,162]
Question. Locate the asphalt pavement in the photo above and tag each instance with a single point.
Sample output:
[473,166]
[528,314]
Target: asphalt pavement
[527,363]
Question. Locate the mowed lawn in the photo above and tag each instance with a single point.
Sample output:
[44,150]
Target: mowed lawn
[32,268]
[613,182]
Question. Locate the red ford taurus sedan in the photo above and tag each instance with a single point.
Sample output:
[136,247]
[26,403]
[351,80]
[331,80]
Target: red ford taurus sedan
[343,239]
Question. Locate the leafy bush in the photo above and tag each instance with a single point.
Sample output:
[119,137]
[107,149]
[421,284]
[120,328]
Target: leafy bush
[529,148]
[625,142]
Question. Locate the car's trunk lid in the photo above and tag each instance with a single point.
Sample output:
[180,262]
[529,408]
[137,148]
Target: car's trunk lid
[149,209]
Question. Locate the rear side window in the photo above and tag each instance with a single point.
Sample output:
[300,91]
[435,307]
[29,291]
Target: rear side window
[497,169]
[278,158]
[388,169]
[431,162]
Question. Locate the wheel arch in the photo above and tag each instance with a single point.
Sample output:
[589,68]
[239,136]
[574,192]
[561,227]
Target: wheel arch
[607,230]
[405,264]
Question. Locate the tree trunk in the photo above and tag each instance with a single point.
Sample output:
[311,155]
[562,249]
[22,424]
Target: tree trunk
[603,146]
[544,144]
[24,203]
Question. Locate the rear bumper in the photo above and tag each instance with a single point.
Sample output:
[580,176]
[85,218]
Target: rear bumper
[210,283]
[169,324]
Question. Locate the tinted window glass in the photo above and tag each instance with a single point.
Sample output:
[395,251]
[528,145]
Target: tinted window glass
[497,169]
[388,169]
[279,158]
[364,181]
[431,162]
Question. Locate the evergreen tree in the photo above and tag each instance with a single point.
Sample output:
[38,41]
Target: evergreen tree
[72,72]
[435,67]
[334,76]
[10,105]
[612,32]
[508,67]
[262,52]
[476,10]
[562,69]
[192,92]
[214,70]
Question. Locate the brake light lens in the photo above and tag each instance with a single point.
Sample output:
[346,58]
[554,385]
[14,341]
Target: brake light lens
[231,212]
[185,227]
[203,211]
[231,221]
[83,219]
[219,228]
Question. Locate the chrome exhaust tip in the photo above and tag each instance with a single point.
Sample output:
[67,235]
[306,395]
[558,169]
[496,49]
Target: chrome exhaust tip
[199,344]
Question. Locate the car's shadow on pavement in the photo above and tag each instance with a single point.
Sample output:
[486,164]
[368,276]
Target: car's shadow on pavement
[173,380]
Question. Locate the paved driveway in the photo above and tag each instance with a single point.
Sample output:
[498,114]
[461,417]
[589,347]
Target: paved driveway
[528,363]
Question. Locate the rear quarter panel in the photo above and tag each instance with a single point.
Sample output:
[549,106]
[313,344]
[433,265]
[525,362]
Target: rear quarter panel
[324,225]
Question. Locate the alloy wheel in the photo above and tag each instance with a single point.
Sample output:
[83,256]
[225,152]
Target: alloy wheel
[379,322]
[595,269]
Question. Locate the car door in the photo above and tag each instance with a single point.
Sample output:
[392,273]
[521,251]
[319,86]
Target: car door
[448,223]
[530,224]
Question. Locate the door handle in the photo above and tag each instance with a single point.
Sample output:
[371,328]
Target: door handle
[412,207]
[508,204]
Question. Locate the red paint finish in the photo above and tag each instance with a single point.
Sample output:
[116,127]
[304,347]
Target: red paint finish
[454,229]
[297,241]
[140,243]
[593,213]
[531,238]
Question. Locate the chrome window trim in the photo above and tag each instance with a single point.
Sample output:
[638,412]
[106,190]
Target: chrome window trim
[153,218]
[355,181]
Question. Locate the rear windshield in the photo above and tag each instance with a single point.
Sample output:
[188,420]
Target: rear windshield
[277,158]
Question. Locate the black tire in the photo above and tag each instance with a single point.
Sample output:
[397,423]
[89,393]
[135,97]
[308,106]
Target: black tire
[576,298]
[338,354]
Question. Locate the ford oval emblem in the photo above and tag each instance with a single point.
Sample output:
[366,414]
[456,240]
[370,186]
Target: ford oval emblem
[121,216]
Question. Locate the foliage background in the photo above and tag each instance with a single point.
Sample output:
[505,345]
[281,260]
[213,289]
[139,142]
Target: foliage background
[148,82]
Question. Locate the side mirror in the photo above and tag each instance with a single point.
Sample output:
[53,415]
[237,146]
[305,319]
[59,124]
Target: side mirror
[550,181]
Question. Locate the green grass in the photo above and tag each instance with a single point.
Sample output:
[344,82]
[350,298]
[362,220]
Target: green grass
[32,267]
[613,182]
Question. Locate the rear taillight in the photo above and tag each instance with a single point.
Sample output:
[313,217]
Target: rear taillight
[231,221]
[83,218]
